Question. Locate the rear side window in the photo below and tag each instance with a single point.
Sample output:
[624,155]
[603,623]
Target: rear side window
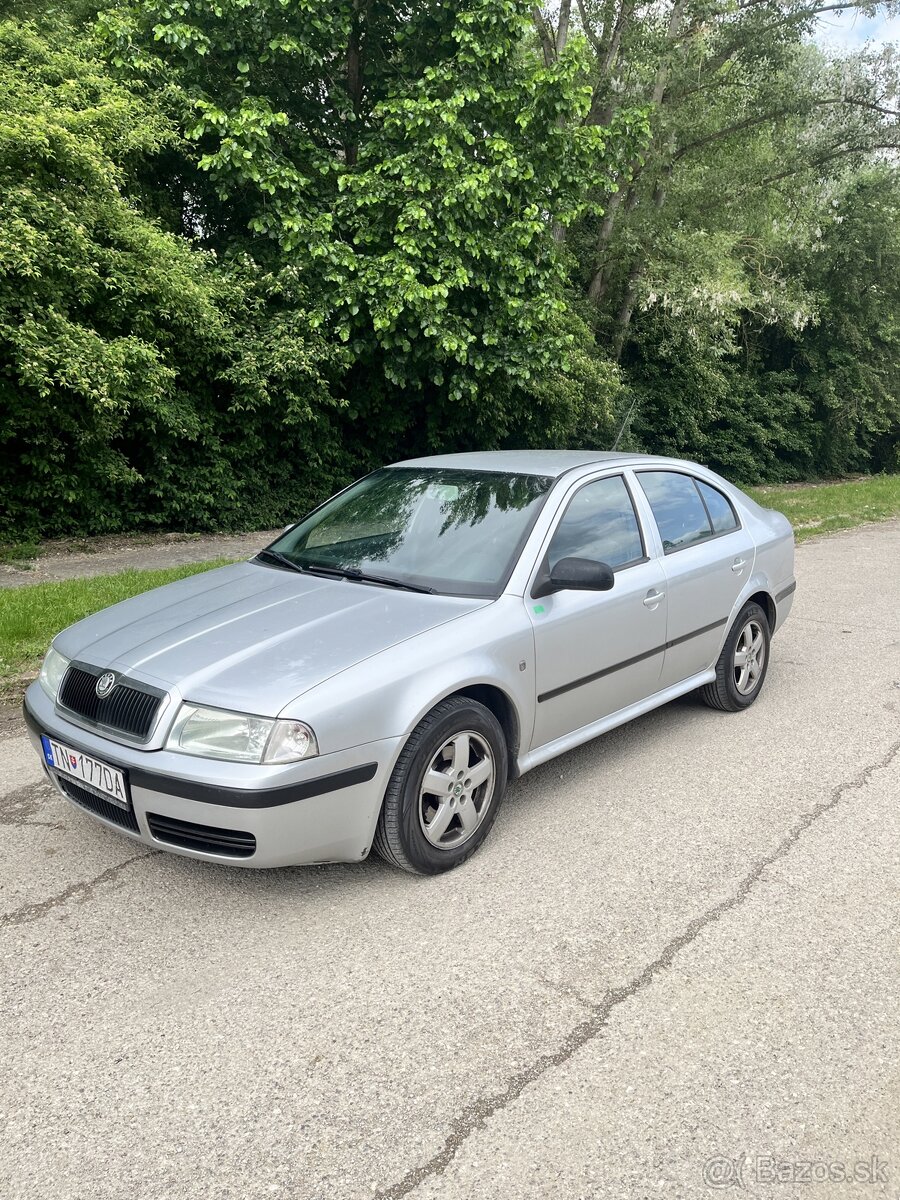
[680,513]
[719,508]
[600,523]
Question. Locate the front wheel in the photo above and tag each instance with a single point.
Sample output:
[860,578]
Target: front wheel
[742,665]
[446,788]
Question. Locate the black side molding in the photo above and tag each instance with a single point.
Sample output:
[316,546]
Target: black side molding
[785,592]
[630,662]
[208,793]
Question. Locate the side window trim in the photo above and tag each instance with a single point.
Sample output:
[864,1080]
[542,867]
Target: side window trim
[645,557]
[541,567]
[712,528]
[712,536]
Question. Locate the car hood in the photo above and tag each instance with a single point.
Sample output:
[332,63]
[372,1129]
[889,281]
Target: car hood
[252,637]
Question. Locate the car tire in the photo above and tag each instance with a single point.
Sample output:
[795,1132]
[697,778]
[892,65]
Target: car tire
[445,790]
[736,684]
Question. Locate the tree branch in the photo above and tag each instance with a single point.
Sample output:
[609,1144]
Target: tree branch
[820,160]
[869,104]
[797,17]
[547,44]
[586,29]
[749,123]
[776,115]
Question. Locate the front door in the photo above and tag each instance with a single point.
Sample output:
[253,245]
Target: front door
[597,652]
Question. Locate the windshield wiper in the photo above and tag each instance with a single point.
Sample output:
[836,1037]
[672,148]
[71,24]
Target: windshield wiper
[281,559]
[364,577]
[330,572]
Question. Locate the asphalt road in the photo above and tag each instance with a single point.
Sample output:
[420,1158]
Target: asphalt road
[679,947]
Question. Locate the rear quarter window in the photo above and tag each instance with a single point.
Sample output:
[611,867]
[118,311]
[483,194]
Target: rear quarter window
[719,507]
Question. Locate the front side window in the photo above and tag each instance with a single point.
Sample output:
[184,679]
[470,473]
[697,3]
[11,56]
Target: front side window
[599,523]
[455,531]
[679,512]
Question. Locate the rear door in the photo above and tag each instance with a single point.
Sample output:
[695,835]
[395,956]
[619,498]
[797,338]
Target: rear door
[707,559]
[597,652]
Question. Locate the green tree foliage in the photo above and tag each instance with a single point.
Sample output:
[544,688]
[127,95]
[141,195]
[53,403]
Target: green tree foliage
[412,161]
[846,363]
[705,268]
[139,381]
[251,248]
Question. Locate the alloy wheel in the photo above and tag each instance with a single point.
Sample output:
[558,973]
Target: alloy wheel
[457,790]
[749,657]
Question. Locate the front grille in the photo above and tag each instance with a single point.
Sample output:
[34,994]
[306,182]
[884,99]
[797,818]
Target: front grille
[129,709]
[206,838]
[97,805]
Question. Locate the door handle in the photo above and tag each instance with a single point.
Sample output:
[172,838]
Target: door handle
[652,599]
[738,565]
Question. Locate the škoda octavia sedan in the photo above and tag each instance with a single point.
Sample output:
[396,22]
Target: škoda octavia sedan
[375,677]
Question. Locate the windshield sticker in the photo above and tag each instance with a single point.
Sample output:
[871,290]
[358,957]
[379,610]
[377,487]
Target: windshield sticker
[445,492]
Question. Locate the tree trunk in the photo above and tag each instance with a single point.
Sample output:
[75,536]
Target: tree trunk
[623,317]
[562,37]
[599,279]
[562,32]
[547,45]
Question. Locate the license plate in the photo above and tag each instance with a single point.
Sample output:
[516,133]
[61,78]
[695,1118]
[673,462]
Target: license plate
[90,772]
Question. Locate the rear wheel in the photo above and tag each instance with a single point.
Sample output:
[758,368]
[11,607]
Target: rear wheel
[743,663]
[445,791]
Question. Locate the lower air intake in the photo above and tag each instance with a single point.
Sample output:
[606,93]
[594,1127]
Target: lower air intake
[206,838]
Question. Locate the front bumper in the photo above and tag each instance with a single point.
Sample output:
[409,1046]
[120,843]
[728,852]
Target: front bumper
[323,810]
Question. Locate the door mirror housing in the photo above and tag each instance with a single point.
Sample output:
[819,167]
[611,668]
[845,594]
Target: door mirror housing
[576,575]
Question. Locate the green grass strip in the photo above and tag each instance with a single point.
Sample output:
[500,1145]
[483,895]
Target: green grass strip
[31,616]
[818,508]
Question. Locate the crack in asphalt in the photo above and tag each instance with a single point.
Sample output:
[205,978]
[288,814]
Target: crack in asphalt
[20,806]
[475,1115]
[79,892]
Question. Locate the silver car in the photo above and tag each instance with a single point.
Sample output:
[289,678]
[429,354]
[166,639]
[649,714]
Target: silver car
[376,676]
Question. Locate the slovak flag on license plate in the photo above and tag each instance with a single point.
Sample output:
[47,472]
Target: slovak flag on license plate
[74,761]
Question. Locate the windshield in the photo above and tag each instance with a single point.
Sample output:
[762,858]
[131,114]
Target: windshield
[453,531]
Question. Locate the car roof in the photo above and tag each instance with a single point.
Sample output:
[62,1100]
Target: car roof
[552,463]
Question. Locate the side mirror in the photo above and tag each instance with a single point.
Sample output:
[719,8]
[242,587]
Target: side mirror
[577,575]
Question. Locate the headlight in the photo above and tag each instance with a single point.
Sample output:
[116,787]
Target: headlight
[53,668]
[215,733]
